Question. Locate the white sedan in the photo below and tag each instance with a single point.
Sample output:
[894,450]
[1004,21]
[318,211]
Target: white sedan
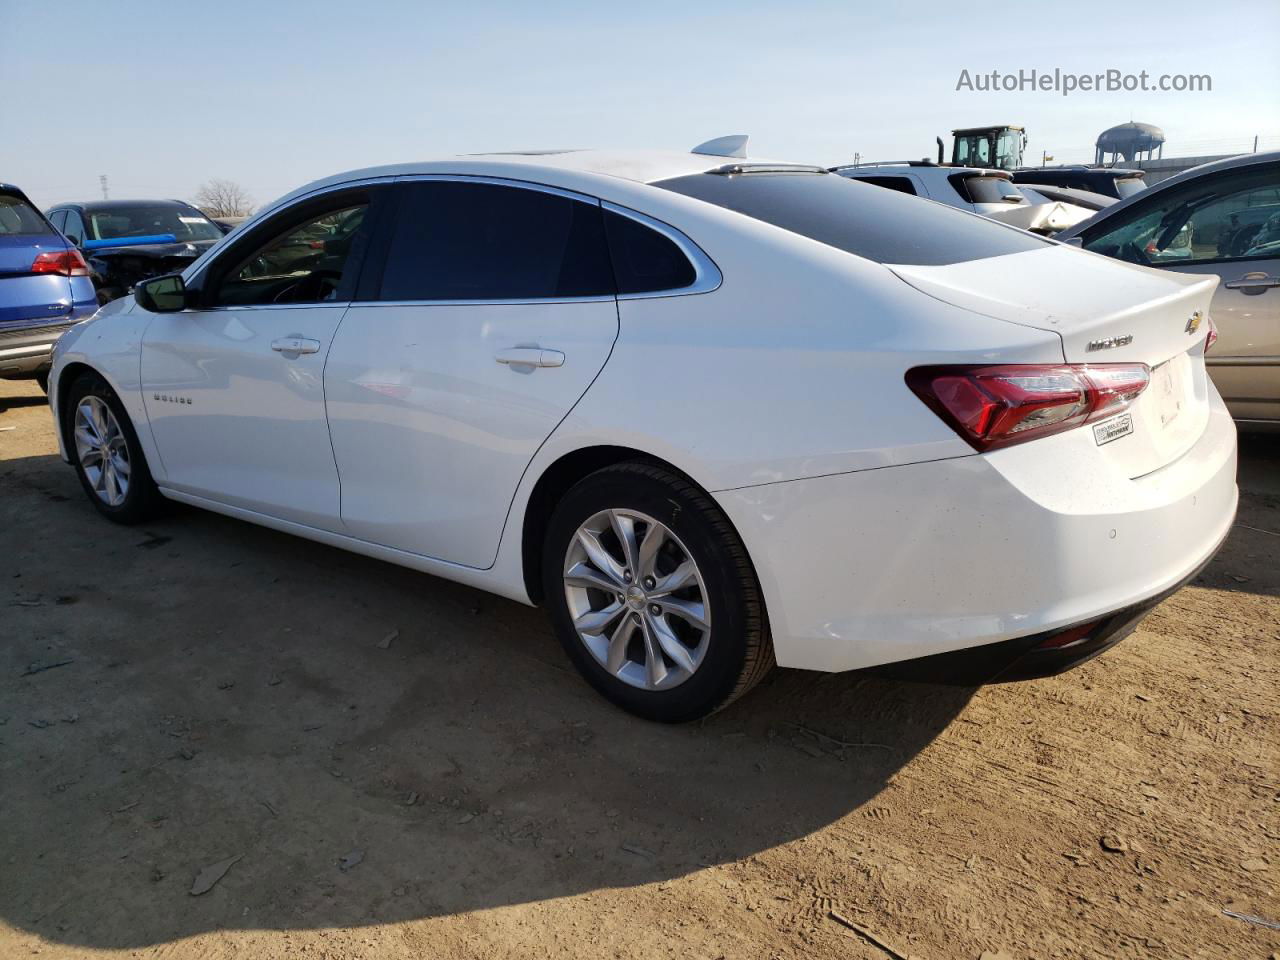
[710,412]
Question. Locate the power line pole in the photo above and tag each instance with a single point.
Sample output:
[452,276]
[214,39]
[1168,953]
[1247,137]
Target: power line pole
[102,180]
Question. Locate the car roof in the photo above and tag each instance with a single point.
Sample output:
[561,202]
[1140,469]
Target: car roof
[569,168]
[1216,166]
[1205,169]
[1114,172]
[641,166]
[917,167]
[99,205]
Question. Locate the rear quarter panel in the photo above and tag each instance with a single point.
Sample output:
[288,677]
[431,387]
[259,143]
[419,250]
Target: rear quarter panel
[792,368]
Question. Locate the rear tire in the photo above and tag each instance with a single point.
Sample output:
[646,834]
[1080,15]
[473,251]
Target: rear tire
[42,378]
[107,456]
[636,641]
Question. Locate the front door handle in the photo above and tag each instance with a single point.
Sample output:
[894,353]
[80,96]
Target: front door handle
[530,357]
[1253,283]
[295,345]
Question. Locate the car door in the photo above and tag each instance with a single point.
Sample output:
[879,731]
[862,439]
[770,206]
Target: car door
[234,387]
[491,312]
[1225,225]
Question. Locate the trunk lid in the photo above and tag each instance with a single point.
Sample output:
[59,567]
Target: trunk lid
[26,296]
[1104,311]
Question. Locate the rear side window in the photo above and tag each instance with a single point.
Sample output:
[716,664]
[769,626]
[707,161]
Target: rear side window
[645,261]
[901,184]
[880,225]
[17,217]
[454,240]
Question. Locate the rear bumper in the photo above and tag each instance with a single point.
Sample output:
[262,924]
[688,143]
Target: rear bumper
[901,563]
[25,350]
[1041,654]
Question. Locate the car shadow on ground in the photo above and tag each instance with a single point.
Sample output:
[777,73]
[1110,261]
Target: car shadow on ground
[22,402]
[373,744]
[1250,560]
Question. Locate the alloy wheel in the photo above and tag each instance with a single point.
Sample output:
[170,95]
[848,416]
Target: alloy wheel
[637,599]
[102,450]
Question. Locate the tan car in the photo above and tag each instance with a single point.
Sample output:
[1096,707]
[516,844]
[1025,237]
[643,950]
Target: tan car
[1223,219]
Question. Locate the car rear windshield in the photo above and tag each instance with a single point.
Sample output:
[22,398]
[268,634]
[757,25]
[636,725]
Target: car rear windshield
[19,218]
[984,189]
[122,223]
[881,225]
[1128,186]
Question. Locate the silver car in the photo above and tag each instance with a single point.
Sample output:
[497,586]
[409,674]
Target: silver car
[1221,218]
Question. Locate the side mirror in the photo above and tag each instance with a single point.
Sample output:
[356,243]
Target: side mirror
[1075,242]
[161,294]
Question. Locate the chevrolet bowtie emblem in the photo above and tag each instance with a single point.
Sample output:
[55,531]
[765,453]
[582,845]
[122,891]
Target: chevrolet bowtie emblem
[1193,323]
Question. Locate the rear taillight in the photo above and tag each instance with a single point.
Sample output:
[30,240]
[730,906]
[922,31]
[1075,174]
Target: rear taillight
[994,407]
[1211,337]
[68,263]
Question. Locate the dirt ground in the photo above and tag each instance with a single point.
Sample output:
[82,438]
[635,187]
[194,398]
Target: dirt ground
[215,690]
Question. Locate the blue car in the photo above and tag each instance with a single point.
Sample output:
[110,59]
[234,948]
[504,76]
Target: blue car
[44,288]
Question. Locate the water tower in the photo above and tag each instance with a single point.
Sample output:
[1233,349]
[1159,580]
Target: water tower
[1128,142]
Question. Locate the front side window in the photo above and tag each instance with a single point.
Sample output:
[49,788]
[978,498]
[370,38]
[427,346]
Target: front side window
[1232,216]
[184,224]
[19,217]
[459,240]
[880,225]
[304,263]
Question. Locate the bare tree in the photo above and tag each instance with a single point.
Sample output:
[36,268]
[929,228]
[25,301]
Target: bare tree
[223,198]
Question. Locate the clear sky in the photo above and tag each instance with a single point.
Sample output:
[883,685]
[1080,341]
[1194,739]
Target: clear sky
[161,96]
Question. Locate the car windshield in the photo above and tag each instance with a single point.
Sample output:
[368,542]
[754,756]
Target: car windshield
[17,217]
[122,223]
[881,225]
[1128,186]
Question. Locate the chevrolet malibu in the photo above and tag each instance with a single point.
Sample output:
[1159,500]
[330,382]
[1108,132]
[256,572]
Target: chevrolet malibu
[713,413]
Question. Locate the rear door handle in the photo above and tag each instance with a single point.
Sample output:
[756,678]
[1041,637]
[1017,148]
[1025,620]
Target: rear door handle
[530,357]
[295,345]
[1253,283]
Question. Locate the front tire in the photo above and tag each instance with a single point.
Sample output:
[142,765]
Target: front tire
[106,452]
[652,594]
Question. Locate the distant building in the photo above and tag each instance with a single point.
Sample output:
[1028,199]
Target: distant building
[1129,142]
